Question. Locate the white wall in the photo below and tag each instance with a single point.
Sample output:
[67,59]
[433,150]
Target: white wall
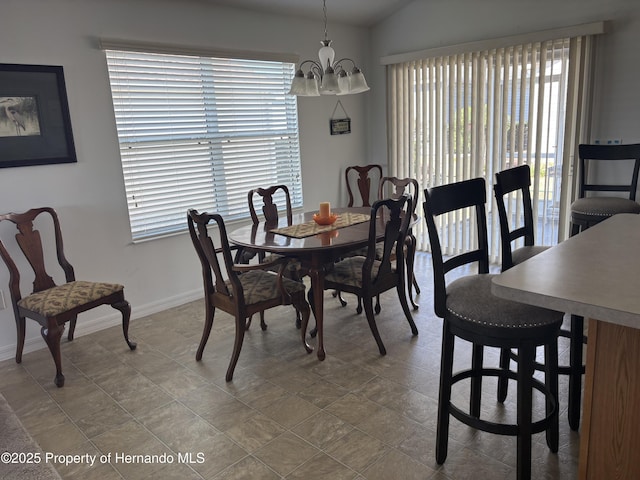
[433,23]
[89,195]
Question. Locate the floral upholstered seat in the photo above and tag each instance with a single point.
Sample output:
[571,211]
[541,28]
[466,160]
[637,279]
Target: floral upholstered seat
[61,298]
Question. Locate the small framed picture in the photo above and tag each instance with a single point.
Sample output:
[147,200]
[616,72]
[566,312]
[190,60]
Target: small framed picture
[35,126]
[340,126]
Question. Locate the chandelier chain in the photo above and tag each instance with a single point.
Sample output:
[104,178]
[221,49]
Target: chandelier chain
[324,11]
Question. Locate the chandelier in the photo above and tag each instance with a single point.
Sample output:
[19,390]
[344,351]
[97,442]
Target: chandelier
[327,77]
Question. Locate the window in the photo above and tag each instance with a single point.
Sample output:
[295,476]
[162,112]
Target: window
[474,113]
[200,132]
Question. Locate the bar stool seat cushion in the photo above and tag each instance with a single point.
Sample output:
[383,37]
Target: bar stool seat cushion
[471,305]
[603,206]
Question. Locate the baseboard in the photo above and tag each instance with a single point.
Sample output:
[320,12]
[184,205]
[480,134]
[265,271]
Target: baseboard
[109,320]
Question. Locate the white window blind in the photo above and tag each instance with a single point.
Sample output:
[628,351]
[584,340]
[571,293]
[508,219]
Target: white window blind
[472,114]
[200,132]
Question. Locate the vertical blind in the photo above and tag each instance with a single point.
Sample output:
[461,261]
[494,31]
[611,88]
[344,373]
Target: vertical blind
[200,132]
[468,115]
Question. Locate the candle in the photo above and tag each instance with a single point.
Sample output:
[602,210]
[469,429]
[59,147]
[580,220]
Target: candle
[325,209]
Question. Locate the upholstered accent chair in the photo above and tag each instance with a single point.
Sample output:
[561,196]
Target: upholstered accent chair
[50,304]
[471,312]
[591,207]
[241,290]
[368,276]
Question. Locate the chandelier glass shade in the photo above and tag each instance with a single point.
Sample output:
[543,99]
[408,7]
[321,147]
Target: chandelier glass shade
[326,76]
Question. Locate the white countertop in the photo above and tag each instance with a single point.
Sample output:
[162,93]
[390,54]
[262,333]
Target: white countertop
[595,274]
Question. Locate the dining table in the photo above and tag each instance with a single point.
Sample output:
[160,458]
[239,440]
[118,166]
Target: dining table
[315,246]
[595,274]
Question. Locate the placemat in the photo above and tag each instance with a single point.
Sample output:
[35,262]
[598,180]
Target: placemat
[308,229]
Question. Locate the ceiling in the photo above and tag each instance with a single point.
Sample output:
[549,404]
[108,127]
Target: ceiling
[364,13]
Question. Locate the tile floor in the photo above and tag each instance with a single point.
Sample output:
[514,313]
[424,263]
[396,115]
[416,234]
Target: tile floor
[285,415]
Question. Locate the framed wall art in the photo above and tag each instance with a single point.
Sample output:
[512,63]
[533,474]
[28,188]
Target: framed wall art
[35,126]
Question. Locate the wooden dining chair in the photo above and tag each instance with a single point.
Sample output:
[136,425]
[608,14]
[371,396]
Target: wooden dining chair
[394,187]
[512,188]
[368,276]
[269,207]
[53,305]
[364,180]
[472,313]
[240,290]
[267,199]
[589,208]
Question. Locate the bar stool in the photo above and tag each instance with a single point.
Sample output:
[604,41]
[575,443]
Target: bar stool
[471,312]
[518,179]
[586,211]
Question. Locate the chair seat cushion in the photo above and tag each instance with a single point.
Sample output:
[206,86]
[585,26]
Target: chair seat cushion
[62,298]
[521,254]
[292,267]
[604,206]
[472,306]
[261,286]
[349,271]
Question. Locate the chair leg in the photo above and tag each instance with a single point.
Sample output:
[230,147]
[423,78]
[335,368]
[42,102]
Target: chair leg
[411,278]
[444,397]
[368,310]
[298,319]
[237,347]
[208,323]
[125,308]
[476,380]
[526,359]
[72,328]
[575,229]
[503,382]
[314,331]
[359,307]
[303,308]
[551,381]
[415,284]
[576,370]
[263,324]
[20,330]
[405,308]
[338,294]
[51,336]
